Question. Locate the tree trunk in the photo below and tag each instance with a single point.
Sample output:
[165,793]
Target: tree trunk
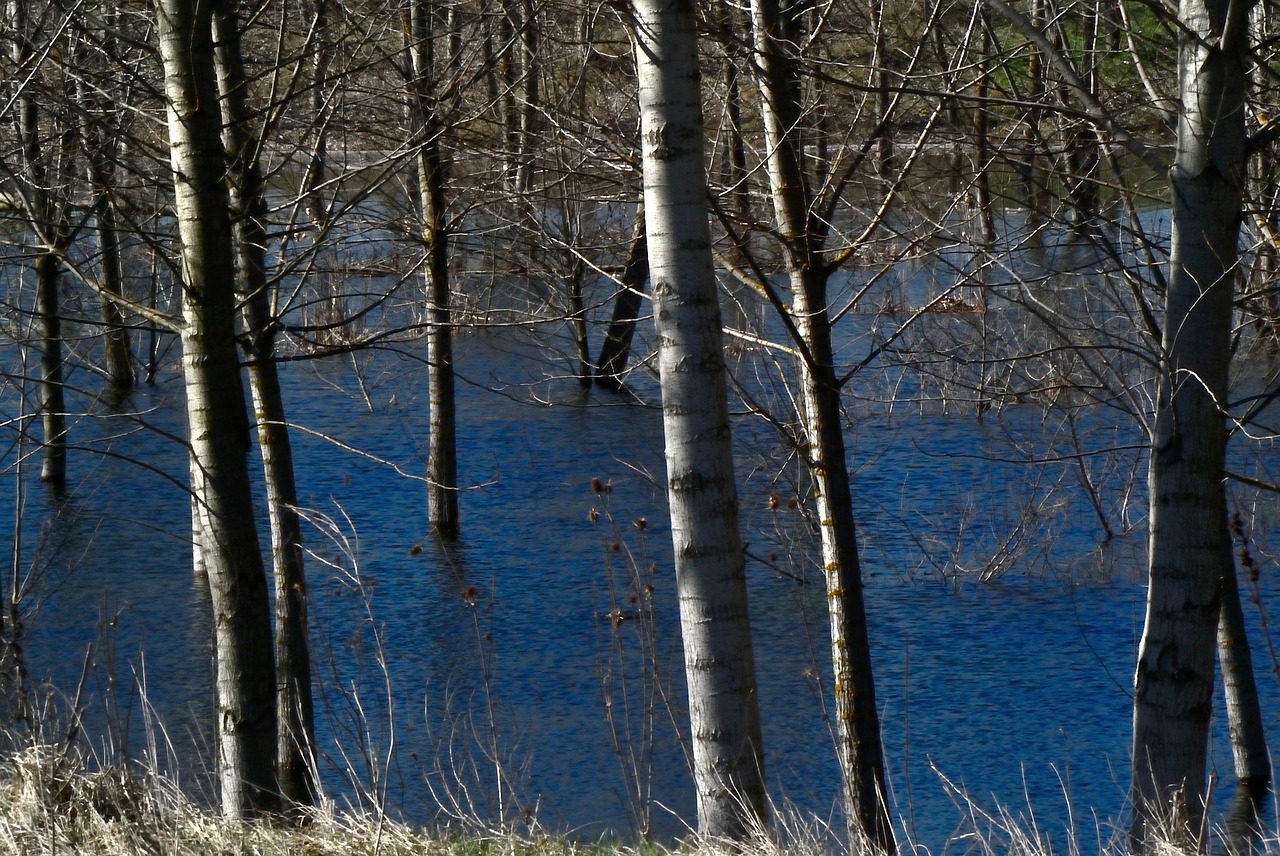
[1240,689]
[1173,687]
[508,32]
[1031,173]
[49,228]
[578,311]
[218,426]
[530,72]
[100,170]
[857,720]
[880,83]
[53,407]
[711,586]
[1082,147]
[442,450]
[616,349]
[117,358]
[317,165]
[982,202]
[295,711]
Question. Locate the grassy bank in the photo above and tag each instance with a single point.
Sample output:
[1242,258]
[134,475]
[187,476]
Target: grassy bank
[52,802]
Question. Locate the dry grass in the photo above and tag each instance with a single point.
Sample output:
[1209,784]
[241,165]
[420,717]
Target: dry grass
[51,802]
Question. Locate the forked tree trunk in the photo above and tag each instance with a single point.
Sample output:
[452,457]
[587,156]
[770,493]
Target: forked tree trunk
[857,720]
[442,444]
[728,762]
[727,21]
[295,710]
[1174,680]
[217,424]
[616,348]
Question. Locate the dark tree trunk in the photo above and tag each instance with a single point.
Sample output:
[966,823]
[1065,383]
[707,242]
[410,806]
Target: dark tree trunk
[442,452]
[49,227]
[616,349]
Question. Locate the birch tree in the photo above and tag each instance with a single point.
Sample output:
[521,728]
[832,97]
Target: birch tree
[802,236]
[295,709]
[1174,680]
[711,586]
[442,446]
[225,531]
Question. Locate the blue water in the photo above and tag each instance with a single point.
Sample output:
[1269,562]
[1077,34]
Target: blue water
[493,653]
[470,681]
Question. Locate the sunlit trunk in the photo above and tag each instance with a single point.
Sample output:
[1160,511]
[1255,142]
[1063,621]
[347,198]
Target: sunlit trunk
[1240,690]
[530,72]
[728,762]
[442,451]
[218,426]
[294,706]
[1174,680]
[857,720]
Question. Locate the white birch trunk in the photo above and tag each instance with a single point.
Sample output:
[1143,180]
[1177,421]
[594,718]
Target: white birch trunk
[1174,679]
[1245,723]
[217,423]
[719,665]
